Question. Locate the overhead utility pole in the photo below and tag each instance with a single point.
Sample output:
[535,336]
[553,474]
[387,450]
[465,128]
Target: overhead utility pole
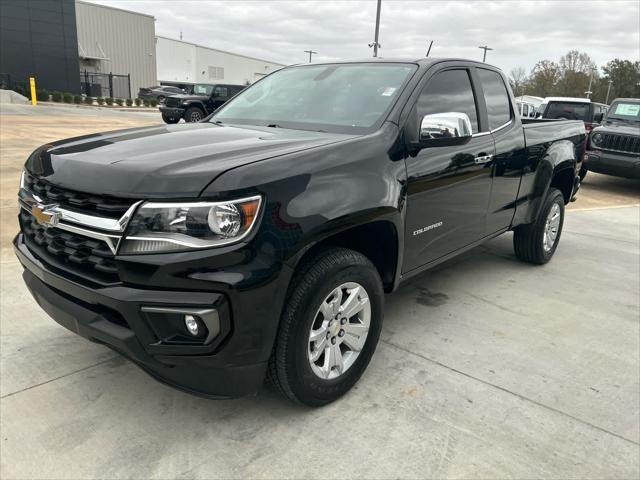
[484,55]
[608,92]
[310,52]
[376,43]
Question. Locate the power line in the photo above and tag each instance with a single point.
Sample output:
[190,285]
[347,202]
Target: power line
[485,48]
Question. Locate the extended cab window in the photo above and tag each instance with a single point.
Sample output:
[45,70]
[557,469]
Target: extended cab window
[495,97]
[449,91]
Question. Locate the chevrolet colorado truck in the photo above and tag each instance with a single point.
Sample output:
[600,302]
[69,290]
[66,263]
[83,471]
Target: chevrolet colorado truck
[614,146]
[260,242]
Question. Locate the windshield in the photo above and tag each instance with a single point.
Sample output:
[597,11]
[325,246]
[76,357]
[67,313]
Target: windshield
[568,110]
[202,89]
[348,98]
[625,111]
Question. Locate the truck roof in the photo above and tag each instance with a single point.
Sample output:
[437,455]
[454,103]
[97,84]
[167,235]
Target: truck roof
[420,61]
[567,99]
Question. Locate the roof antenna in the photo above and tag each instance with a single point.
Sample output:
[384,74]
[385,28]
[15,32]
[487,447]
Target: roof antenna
[180,34]
[429,50]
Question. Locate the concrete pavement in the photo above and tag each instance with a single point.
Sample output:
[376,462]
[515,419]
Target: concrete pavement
[487,368]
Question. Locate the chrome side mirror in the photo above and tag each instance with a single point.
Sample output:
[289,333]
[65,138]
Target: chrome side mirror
[449,128]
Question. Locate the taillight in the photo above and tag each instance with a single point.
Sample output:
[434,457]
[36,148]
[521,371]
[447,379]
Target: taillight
[588,126]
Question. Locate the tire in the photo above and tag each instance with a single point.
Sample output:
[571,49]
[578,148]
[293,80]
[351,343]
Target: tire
[193,114]
[582,173]
[291,370]
[170,120]
[529,240]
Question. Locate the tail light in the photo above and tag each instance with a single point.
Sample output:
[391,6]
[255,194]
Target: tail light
[588,126]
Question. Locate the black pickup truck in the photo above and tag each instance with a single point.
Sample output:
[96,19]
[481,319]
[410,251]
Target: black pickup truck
[203,101]
[260,242]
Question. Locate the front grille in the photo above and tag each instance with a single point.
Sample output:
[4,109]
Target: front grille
[100,205]
[620,143]
[172,102]
[71,253]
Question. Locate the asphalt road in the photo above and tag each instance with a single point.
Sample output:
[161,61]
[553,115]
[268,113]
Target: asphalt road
[487,367]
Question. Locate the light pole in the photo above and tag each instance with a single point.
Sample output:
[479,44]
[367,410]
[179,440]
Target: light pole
[589,92]
[376,44]
[608,92]
[310,52]
[484,55]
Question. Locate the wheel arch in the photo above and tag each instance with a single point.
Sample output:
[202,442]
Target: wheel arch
[378,240]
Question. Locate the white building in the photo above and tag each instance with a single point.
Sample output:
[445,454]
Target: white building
[184,62]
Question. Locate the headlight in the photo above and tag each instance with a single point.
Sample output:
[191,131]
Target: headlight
[166,227]
[596,139]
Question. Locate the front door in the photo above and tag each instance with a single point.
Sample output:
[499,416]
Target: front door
[448,187]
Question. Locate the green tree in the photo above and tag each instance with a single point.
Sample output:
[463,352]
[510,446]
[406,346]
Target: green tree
[625,78]
[544,79]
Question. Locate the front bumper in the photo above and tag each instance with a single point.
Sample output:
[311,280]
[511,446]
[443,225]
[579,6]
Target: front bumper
[231,365]
[172,112]
[610,163]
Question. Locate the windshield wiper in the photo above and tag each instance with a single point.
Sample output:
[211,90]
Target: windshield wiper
[273,125]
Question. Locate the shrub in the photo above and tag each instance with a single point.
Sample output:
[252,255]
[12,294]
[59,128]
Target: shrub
[77,99]
[67,97]
[153,102]
[109,101]
[145,102]
[100,100]
[56,96]
[129,102]
[42,95]
[88,100]
[138,102]
[119,102]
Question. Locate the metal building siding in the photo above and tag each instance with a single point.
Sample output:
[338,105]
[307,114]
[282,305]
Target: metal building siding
[127,39]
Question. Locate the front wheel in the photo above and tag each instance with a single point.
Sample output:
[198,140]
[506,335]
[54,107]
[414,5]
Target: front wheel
[329,328]
[193,114]
[170,120]
[582,173]
[537,242]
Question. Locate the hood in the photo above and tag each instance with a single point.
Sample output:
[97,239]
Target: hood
[169,161]
[618,127]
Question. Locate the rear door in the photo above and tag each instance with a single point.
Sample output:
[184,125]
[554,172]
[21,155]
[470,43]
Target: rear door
[448,189]
[510,154]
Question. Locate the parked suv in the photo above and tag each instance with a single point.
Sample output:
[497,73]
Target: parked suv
[614,147]
[159,93]
[569,108]
[194,107]
[261,242]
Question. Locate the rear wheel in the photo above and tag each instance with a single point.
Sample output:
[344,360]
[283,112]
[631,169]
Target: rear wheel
[193,114]
[329,328]
[170,119]
[537,242]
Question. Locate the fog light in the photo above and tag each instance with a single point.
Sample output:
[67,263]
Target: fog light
[192,324]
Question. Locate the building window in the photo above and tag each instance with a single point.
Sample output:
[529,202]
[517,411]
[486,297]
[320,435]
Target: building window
[216,73]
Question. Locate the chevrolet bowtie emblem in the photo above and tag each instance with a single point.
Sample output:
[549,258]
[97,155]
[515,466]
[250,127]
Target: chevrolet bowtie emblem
[44,216]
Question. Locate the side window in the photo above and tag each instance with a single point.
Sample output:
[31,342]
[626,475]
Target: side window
[496,98]
[449,91]
[220,92]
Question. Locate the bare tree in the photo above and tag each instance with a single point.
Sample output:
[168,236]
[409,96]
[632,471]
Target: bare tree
[517,79]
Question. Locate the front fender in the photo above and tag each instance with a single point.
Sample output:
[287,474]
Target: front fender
[323,191]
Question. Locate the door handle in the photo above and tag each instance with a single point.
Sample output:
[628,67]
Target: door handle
[482,159]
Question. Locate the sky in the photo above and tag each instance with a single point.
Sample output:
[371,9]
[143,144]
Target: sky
[521,33]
